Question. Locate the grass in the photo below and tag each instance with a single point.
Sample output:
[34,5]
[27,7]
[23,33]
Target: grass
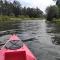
[9,22]
[56,21]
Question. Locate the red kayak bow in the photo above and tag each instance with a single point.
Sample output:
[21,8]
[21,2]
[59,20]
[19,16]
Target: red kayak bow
[22,53]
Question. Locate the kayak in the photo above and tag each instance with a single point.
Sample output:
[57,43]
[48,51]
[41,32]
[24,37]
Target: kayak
[15,49]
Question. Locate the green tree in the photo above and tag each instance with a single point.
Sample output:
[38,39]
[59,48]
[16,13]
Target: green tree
[32,12]
[58,4]
[24,11]
[17,8]
[39,13]
[14,8]
[52,12]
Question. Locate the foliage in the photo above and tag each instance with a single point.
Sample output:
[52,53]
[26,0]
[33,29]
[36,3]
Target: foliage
[14,8]
[58,5]
[32,12]
[6,23]
[52,12]
[58,2]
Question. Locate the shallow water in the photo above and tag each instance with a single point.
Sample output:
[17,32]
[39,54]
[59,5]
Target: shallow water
[45,45]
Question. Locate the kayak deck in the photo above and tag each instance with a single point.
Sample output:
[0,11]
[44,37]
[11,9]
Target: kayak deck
[29,55]
[22,53]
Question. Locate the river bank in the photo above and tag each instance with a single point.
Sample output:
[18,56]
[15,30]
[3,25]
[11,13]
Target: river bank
[56,21]
[11,22]
[19,18]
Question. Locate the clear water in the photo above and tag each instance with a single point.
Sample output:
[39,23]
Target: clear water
[45,45]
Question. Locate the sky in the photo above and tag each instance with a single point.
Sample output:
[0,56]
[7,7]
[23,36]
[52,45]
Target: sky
[42,4]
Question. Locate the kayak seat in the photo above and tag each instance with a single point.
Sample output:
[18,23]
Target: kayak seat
[14,44]
[16,55]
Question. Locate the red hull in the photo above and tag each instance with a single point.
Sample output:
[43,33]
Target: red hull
[19,54]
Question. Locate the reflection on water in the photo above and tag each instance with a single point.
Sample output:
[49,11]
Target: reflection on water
[55,29]
[45,45]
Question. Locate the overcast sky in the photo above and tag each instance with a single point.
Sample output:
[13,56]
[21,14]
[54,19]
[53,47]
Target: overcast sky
[42,4]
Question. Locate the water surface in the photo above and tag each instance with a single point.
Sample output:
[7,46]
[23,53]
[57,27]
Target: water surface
[46,44]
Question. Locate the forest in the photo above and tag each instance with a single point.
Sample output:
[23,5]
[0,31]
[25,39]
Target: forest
[15,9]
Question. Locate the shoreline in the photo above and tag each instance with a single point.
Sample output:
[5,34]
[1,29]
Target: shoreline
[57,21]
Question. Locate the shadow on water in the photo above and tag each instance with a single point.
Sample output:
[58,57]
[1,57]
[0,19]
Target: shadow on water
[41,37]
[55,29]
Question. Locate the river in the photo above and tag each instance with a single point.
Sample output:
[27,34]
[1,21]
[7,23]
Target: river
[46,44]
